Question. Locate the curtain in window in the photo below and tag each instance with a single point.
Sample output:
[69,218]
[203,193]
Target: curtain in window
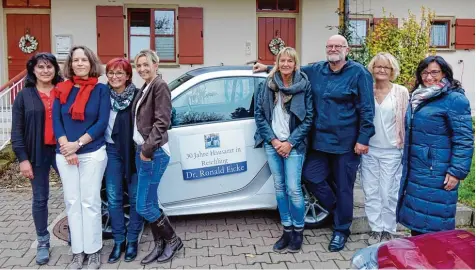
[439,35]
[358,28]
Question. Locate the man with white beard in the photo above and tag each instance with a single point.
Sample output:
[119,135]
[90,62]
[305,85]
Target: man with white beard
[344,103]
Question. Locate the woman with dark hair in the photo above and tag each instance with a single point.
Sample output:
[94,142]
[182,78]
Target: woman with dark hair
[80,118]
[33,140]
[438,149]
[121,160]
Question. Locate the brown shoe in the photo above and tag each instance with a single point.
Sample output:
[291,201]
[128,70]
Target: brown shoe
[173,243]
[159,243]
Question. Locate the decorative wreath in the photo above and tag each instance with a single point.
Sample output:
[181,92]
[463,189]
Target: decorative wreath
[28,44]
[276,45]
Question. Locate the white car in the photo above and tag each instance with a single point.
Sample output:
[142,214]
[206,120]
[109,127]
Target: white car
[214,166]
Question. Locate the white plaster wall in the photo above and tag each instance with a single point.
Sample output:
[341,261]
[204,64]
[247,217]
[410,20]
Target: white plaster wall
[463,9]
[227,26]
[317,16]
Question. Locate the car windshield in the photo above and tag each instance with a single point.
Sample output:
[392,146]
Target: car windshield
[179,81]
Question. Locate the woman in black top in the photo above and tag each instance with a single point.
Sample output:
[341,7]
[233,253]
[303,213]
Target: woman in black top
[33,140]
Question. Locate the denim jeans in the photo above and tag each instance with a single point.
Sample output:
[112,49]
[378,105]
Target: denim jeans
[41,190]
[150,173]
[115,195]
[287,183]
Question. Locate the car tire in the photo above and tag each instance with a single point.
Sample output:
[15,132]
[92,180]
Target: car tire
[106,218]
[315,216]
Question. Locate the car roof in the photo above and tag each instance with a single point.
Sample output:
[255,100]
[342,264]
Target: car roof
[203,70]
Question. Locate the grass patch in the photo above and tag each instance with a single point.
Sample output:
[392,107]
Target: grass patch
[466,188]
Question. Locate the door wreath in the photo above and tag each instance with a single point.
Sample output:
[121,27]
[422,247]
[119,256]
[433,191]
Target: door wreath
[28,43]
[276,45]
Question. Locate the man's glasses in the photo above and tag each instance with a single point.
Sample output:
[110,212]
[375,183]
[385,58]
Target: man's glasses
[337,47]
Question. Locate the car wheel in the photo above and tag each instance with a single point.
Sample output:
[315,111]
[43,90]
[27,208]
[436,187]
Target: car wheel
[315,215]
[106,218]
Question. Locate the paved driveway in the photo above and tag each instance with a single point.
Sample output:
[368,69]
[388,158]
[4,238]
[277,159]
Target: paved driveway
[230,240]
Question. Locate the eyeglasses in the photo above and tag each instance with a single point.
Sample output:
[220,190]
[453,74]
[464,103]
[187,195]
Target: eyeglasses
[382,67]
[433,73]
[119,75]
[337,47]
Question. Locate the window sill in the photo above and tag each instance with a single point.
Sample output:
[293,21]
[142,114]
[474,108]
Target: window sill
[167,65]
[443,49]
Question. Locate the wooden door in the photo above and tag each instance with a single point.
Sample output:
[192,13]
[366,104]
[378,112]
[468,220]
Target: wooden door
[18,25]
[269,28]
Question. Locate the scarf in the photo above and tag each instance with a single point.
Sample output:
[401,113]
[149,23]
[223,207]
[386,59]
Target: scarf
[294,94]
[85,88]
[121,101]
[423,93]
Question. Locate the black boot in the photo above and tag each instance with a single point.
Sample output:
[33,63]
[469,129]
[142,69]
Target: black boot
[296,240]
[116,252]
[283,242]
[131,251]
[173,243]
[159,243]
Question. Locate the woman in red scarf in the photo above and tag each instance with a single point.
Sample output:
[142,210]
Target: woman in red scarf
[80,118]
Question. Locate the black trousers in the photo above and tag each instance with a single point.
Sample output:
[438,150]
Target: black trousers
[330,178]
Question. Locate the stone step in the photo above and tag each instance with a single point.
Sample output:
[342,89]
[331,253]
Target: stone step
[360,224]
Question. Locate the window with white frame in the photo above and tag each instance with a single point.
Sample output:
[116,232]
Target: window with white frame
[154,29]
[358,28]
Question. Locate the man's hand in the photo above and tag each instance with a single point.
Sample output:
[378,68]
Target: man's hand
[26,170]
[360,149]
[69,148]
[72,159]
[450,182]
[258,67]
[285,149]
[143,158]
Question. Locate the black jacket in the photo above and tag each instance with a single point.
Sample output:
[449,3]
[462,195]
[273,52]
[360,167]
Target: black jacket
[28,126]
[122,134]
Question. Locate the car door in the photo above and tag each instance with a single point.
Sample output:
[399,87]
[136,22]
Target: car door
[212,140]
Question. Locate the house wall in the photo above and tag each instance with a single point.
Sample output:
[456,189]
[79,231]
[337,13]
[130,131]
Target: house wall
[463,9]
[3,50]
[227,26]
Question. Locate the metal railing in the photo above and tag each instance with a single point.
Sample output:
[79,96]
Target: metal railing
[8,93]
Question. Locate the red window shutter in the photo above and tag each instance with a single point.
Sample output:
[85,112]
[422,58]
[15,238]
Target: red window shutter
[393,21]
[110,32]
[190,26]
[464,34]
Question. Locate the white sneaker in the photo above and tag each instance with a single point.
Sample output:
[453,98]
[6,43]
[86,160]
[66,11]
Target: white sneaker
[77,261]
[94,260]
[386,236]
[374,238]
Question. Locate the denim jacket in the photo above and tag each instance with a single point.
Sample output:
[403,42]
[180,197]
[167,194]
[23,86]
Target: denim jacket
[300,108]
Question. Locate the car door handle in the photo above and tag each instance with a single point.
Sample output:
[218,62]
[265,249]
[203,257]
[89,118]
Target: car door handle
[10,57]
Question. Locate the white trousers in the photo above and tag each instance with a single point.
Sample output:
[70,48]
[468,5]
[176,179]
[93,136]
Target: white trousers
[381,171]
[82,196]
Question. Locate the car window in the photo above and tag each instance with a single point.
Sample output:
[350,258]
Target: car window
[221,99]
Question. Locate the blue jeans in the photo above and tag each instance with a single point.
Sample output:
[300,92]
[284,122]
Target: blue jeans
[150,173]
[115,194]
[41,190]
[287,183]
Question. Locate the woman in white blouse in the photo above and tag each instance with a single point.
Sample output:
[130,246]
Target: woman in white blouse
[381,168]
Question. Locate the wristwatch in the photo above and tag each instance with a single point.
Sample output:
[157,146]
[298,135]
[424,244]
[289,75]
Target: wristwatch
[80,143]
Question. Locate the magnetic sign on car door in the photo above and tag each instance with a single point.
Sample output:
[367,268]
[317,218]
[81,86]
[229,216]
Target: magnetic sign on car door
[212,154]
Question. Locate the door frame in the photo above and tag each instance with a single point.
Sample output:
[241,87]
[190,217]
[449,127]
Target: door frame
[296,16]
[4,42]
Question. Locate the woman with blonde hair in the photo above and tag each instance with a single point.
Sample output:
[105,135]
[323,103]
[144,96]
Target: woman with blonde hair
[80,118]
[381,167]
[151,114]
[284,115]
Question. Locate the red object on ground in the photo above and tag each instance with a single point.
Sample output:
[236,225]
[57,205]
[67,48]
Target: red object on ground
[441,250]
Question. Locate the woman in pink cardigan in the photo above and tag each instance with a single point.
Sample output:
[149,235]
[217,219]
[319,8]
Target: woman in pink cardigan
[381,167]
